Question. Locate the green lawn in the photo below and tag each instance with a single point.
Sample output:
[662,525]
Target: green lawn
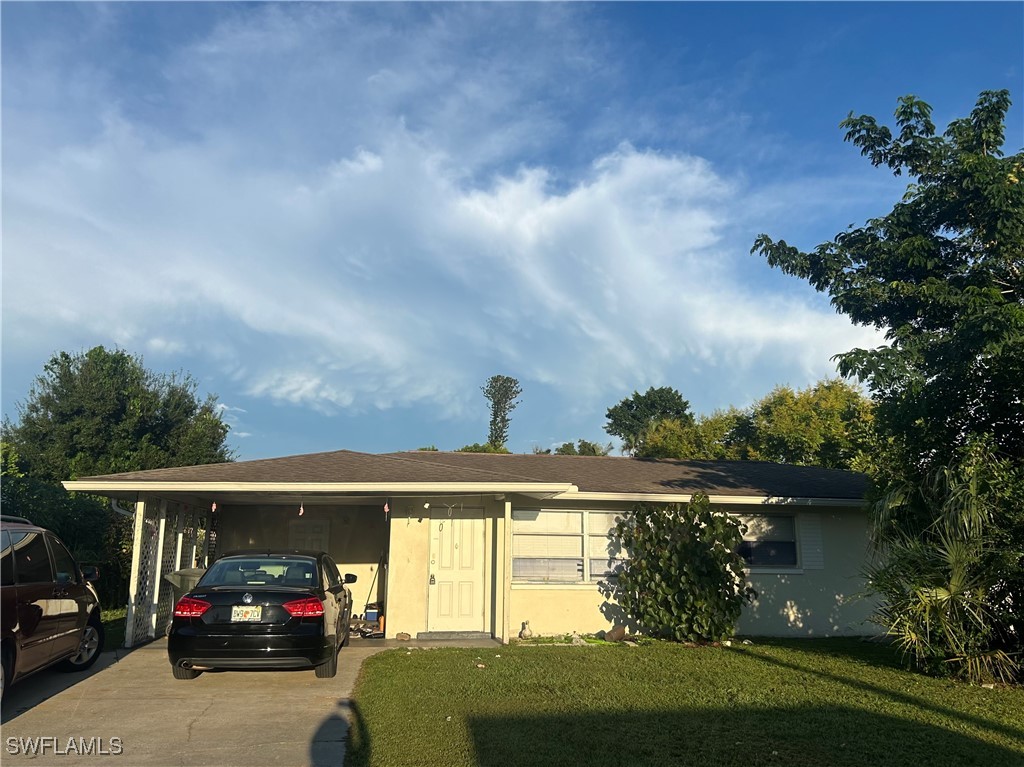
[822,702]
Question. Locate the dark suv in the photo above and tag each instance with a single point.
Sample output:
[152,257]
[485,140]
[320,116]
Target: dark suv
[49,611]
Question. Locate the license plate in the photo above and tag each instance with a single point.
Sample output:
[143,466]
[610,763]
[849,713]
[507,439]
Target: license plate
[246,613]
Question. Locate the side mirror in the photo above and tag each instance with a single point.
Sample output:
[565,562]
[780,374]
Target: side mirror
[350,578]
[91,573]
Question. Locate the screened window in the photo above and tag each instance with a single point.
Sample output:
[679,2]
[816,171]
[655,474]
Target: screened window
[770,540]
[547,545]
[551,546]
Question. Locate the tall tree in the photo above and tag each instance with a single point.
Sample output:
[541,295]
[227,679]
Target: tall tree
[502,392]
[943,275]
[632,417]
[100,412]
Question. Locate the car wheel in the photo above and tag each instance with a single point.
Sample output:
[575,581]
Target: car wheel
[5,669]
[89,647]
[184,673]
[329,669]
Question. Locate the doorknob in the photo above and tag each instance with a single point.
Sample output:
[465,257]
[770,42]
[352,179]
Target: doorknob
[432,580]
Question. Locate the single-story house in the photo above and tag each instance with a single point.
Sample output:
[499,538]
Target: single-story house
[478,544]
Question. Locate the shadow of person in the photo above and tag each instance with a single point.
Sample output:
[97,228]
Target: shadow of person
[332,738]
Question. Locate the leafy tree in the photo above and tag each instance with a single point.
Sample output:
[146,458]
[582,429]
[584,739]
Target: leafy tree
[101,412]
[476,447]
[683,579]
[501,391]
[713,437]
[427,449]
[95,534]
[583,447]
[827,424]
[632,417]
[943,275]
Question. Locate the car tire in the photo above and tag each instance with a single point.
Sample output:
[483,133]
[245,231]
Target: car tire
[89,648]
[184,673]
[6,671]
[329,669]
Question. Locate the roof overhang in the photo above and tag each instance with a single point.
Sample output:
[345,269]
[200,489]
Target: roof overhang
[127,489]
[270,492]
[717,500]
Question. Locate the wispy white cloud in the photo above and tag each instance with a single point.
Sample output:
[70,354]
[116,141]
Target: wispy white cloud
[386,231]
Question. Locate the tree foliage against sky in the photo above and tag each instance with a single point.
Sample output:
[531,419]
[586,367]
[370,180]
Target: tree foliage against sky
[502,392]
[633,416]
[827,424]
[943,275]
[101,412]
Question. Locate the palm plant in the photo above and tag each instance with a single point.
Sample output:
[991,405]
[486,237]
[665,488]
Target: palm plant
[936,579]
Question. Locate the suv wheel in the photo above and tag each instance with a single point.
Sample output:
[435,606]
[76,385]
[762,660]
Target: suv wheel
[5,669]
[88,648]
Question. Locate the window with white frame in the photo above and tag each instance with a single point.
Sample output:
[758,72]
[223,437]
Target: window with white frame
[555,546]
[770,540]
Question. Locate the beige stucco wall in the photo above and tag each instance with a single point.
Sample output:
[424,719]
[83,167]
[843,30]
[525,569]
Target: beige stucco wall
[406,604]
[357,538]
[817,602]
[810,602]
[798,603]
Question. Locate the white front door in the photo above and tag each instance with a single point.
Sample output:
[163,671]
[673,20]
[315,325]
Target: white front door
[457,577]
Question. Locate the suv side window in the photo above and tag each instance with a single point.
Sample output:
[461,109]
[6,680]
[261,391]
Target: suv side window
[63,563]
[32,561]
[6,560]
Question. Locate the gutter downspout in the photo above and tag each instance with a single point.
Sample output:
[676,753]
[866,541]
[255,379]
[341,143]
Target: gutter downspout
[119,510]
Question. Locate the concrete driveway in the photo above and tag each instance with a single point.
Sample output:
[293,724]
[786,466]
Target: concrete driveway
[129,703]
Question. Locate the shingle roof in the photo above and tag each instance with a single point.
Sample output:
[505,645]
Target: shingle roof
[596,474]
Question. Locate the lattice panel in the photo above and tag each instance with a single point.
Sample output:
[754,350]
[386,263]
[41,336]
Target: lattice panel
[148,555]
[168,564]
[188,537]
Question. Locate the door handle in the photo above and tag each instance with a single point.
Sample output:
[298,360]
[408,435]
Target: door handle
[432,579]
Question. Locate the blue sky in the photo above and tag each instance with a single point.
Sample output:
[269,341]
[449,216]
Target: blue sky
[342,218]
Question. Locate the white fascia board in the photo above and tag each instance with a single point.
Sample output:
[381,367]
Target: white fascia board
[736,500]
[383,488]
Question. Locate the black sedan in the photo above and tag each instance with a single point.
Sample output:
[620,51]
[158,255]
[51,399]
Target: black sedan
[263,609]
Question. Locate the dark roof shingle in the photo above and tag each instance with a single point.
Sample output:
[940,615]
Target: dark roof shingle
[597,474]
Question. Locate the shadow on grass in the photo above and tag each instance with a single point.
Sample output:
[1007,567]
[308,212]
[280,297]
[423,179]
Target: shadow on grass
[797,736]
[888,693]
[874,652]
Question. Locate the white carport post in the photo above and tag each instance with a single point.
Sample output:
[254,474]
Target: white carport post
[133,584]
[506,587]
[180,537]
[158,566]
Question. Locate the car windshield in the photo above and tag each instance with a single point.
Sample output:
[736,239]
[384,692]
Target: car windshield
[262,571]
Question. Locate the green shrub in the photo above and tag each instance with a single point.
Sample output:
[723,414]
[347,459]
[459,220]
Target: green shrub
[683,580]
